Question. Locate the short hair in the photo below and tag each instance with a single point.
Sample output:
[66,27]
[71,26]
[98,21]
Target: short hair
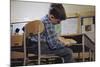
[57,10]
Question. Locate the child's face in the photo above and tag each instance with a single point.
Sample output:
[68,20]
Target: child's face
[54,20]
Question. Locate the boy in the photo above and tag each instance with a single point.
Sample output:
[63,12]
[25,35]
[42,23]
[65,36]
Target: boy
[53,45]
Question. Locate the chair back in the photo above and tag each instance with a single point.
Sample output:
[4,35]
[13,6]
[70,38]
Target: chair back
[34,27]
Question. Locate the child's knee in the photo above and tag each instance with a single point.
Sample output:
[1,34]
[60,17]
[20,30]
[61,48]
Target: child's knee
[68,51]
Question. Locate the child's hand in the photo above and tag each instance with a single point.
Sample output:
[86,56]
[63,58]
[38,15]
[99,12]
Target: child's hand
[67,42]
[64,41]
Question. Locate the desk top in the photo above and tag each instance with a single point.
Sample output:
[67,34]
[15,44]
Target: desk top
[76,37]
[72,35]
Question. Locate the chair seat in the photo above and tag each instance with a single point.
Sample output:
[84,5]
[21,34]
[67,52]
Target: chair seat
[49,56]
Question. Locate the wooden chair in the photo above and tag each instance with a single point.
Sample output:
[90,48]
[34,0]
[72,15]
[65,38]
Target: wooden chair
[36,28]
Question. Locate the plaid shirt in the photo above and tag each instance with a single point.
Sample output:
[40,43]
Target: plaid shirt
[49,35]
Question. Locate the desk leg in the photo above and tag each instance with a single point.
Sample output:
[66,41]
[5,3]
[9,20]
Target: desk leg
[83,48]
[90,54]
[93,53]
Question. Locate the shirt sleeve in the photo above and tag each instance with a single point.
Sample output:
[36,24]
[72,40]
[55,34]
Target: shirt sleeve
[51,37]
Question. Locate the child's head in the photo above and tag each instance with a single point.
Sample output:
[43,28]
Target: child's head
[57,12]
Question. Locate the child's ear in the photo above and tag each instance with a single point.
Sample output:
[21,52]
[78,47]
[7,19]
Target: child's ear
[51,16]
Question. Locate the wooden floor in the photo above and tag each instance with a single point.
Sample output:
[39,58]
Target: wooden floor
[17,59]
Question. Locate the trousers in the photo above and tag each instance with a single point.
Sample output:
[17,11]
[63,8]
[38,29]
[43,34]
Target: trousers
[64,52]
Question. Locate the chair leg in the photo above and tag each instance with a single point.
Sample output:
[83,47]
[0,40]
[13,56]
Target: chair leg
[62,59]
[25,57]
[39,50]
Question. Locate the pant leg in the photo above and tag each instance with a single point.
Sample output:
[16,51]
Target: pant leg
[65,53]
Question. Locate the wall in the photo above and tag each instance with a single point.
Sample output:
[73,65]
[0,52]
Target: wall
[91,28]
[26,11]
[79,10]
